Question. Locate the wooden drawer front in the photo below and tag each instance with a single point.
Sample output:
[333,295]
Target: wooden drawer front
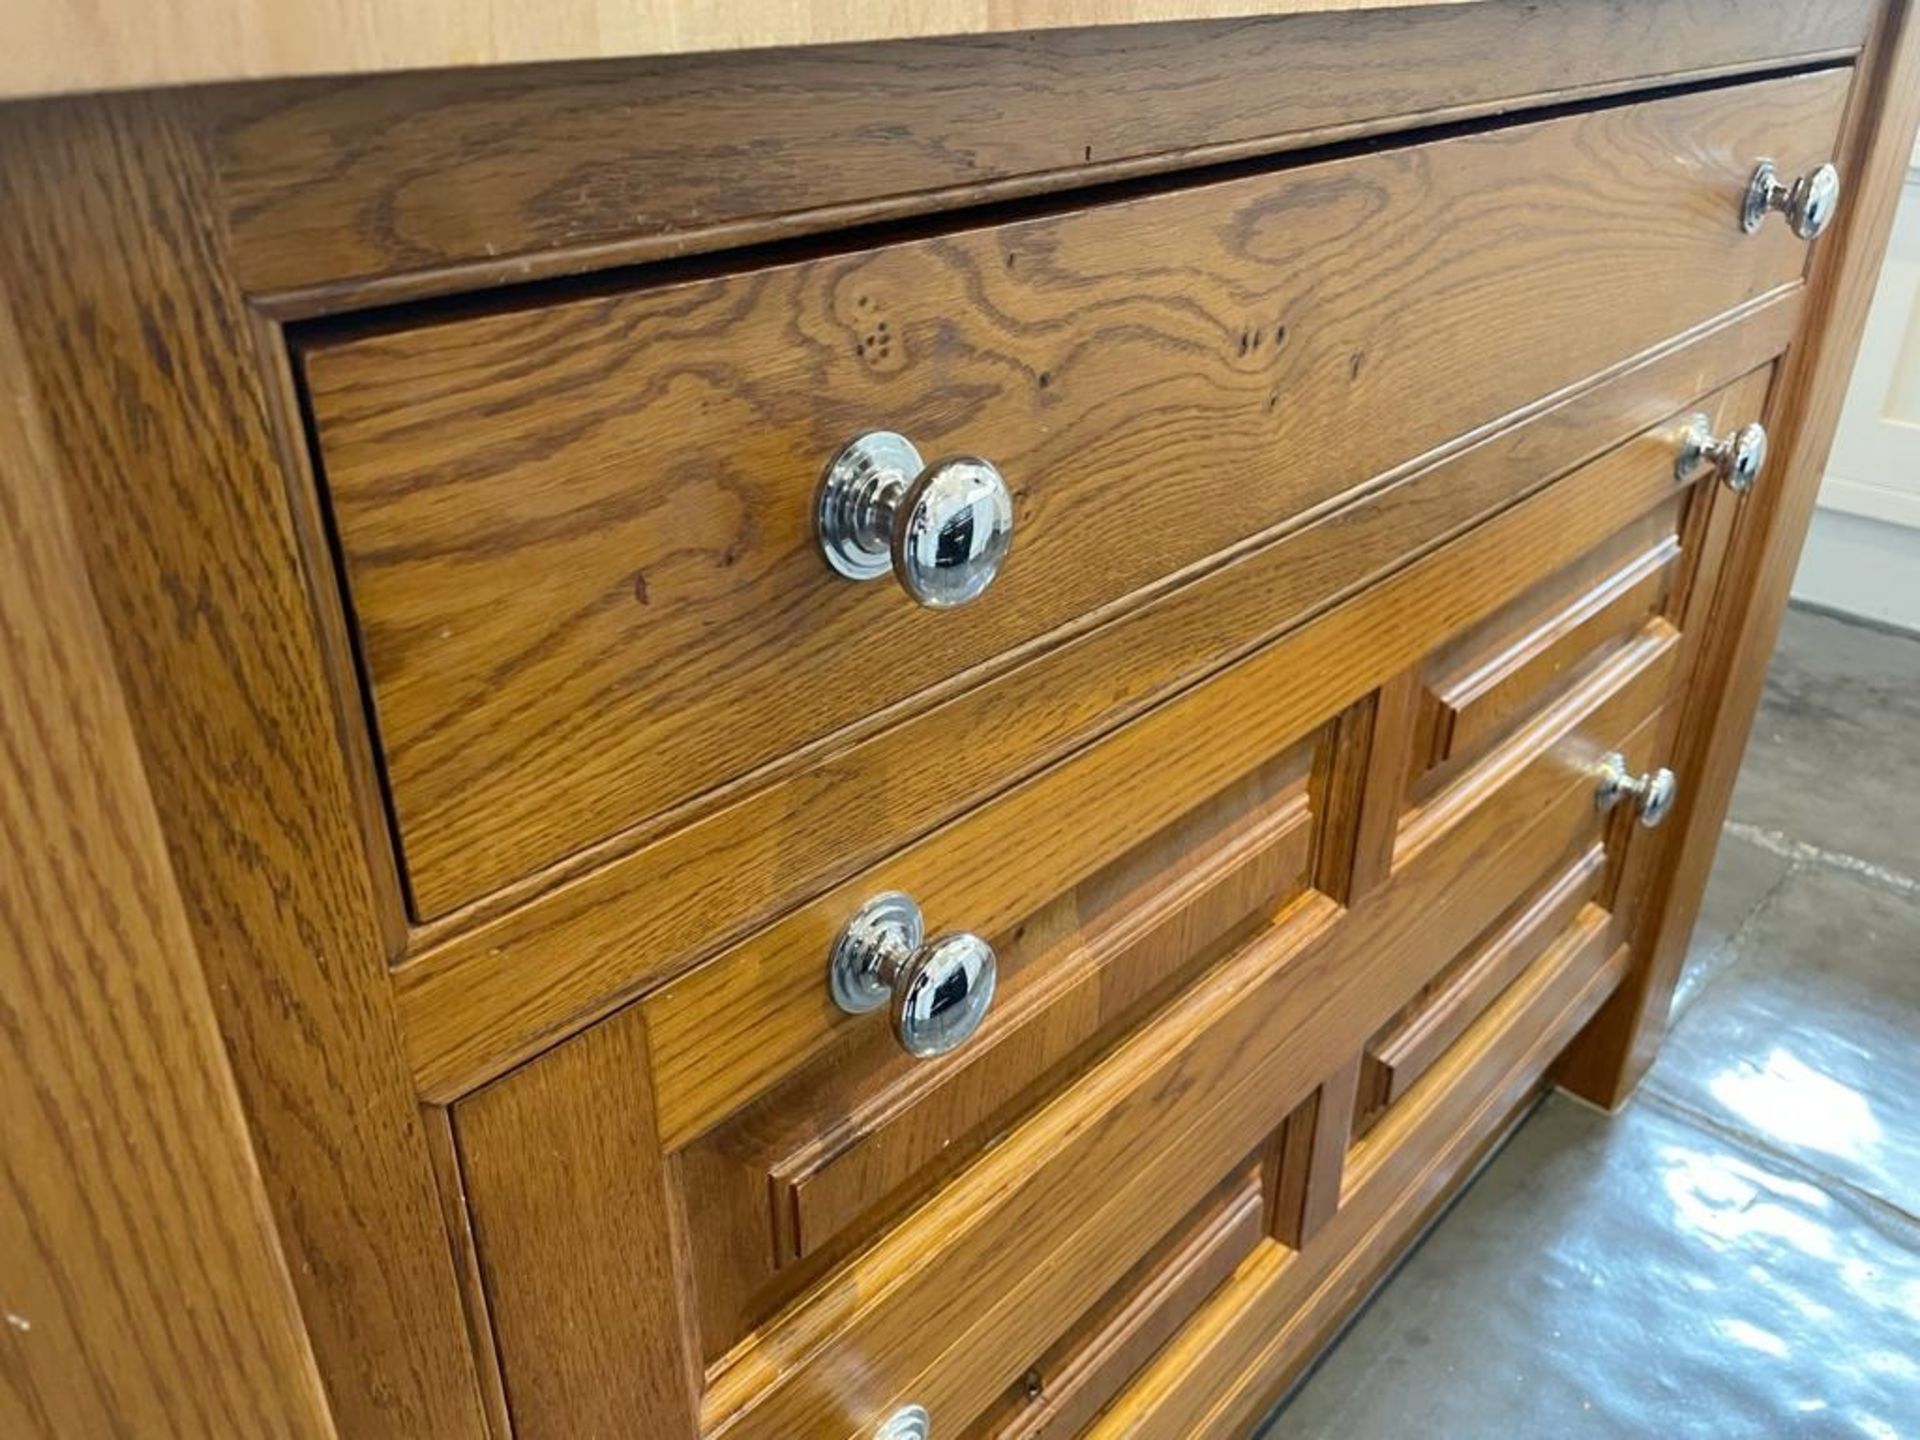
[1095,908]
[578,538]
[1491,678]
[1448,1005]
[1067,1387]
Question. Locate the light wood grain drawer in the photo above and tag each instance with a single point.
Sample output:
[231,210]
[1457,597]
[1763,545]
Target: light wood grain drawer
[578,536]
[1102,886]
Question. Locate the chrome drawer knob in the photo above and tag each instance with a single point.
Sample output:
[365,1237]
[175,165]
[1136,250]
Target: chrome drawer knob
[1808,203]
[940,989]
[1736,459]
[909,1422]
[1652,793]
[943,529]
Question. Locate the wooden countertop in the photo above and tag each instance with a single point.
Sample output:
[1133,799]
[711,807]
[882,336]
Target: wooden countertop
[58,46]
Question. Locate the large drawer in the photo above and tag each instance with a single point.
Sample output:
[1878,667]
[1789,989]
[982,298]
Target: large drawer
[578,537]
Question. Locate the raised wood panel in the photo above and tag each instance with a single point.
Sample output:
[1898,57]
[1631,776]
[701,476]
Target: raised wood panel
[1478,688]
[1448,1006]
[1122,946]
[1650,661]
[579,536]
[828,1153]
[347,190]
[1218,1377]
[1067,1386]
[140,351]
[484,998]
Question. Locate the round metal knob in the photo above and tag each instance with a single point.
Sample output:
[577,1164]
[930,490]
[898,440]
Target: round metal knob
[1735,459]
[1808,203]
[909,1422]
[1652,793]
[940,989]
[943,529]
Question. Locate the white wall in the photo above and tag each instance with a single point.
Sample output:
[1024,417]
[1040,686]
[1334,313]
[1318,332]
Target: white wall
[1863,552]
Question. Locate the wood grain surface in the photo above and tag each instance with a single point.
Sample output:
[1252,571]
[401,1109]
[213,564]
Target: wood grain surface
[1056,1213]
[579,538]
[1510,664]
[1074,1380]
[578,1245]
[841,1145]
[346,191]
[141,355]
[115,44]
[1219,1376]
[489,997]
[143,1287]
[1307,1156]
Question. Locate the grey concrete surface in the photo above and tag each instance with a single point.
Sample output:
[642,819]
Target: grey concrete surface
[1738,1253]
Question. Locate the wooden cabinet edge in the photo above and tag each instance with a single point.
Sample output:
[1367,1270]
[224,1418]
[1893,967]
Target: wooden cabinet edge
[157,429]
[1607,1062]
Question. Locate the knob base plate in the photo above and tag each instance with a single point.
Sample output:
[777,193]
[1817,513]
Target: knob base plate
[1762,192]
[855,509]
[910,1422]
[887,927]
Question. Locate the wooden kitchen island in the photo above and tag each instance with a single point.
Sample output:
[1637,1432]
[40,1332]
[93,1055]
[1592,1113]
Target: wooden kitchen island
[897,723]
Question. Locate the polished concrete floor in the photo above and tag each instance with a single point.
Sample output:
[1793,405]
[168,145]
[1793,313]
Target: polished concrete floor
[1738,1253]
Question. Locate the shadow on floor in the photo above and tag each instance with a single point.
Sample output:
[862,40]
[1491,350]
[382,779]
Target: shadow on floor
[1738,1253]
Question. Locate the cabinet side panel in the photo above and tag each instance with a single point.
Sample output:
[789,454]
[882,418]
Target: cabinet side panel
[145,1293]
[138,345]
